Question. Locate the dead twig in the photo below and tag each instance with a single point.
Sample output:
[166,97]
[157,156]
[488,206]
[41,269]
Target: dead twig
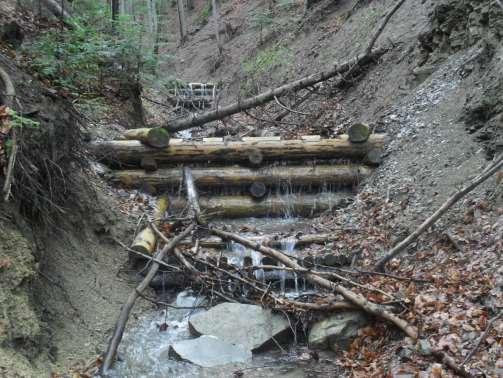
[288,109]
[356,299]
[482,338]
[488,172]
[120,325]
[382,26]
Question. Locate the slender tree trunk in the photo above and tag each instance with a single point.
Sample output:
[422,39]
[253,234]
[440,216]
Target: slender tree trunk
[216,21]
[182,21]
[152,23]
[115,9]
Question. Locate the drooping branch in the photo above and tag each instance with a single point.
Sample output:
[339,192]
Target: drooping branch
[193,196]
[488,172]
[221,112]
[356,299]
[128,306]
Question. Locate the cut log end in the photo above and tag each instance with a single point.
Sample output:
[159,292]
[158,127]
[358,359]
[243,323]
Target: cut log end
[258,190]
[374,156]
[156,137]
[359,133]
[149,164]
[255,157]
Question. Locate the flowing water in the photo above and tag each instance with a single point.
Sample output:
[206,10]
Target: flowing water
[144,350]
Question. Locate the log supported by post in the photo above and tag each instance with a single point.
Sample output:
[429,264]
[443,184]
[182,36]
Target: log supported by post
[130,152]
[312,175]
[246,206]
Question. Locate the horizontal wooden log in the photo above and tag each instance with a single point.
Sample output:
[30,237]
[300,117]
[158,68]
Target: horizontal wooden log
[130,152]
[315,175]
[215,242]
[245,206]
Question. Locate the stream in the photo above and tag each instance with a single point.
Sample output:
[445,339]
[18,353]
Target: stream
[144,351]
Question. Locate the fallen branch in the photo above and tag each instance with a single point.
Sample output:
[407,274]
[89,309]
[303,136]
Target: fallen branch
[354,298]
[128,306]
[482,338]
[221,112]
[382,26]
[488,172]
[448,361]
[301,100]
[193,196]
[288,109]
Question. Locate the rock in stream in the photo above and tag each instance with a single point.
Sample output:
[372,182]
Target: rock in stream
[209,351]
[337,331]
[248,325]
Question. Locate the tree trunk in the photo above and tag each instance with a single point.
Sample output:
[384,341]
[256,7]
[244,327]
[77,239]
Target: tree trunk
[245,206]
[155,137]
[182,21]
[316,175]
[245,104]
[115,9]
[216,21]
[57,10]
[152,23]
[130,152]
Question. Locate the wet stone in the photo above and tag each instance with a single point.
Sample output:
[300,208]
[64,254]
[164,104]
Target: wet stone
[242,324]
[337,331]
[209,351]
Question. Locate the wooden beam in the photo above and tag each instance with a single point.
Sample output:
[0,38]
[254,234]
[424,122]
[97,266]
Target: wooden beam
[313,175]
[246,206]
[131,152]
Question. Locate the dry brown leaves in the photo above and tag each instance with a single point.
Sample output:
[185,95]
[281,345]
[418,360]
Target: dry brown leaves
[452,310]
[5,128]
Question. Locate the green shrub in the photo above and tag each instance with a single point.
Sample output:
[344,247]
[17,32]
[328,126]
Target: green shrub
[260,66]
[204,15]
[97,49]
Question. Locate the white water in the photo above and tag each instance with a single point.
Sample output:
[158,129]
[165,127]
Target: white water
[144,349]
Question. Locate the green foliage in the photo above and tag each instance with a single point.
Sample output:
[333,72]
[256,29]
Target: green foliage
[265,60]
[96,49]
[260,66]
[18,121]
[204,15]
[261,18]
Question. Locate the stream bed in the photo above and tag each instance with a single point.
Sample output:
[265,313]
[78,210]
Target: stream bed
[144,351]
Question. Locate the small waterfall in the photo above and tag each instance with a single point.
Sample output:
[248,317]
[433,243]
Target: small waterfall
[288,246]
[237,255]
